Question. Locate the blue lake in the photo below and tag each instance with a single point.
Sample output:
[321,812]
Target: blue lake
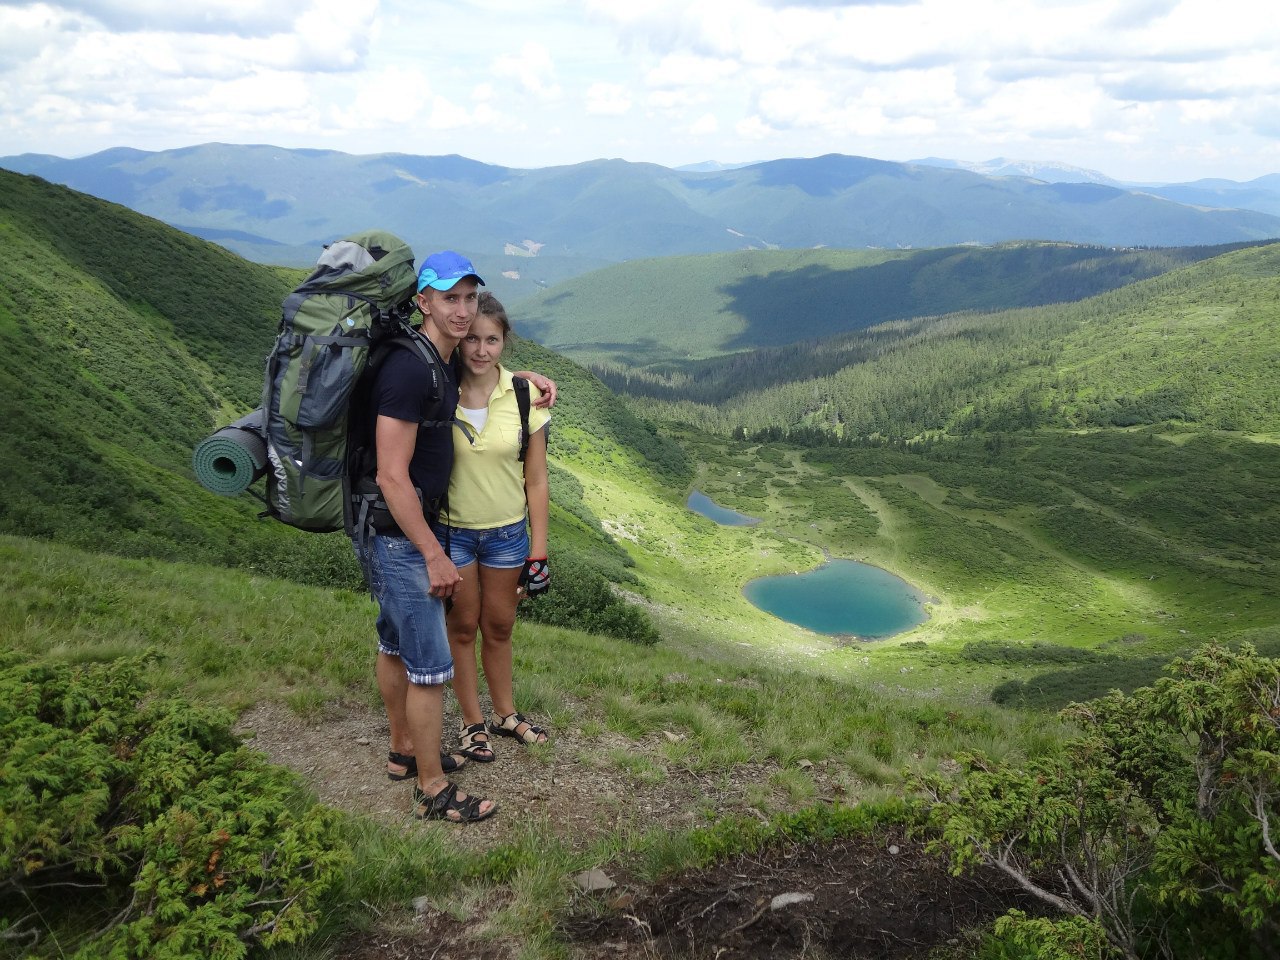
[701,503]
[841,597]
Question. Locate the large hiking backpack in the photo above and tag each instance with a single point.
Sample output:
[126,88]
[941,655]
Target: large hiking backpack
[361,292]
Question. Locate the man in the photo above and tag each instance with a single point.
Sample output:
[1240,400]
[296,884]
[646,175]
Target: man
[411,574]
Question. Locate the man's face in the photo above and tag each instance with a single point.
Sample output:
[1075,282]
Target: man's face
[451,311]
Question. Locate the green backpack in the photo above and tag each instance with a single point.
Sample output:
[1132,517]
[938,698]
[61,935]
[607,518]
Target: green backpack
[360,293]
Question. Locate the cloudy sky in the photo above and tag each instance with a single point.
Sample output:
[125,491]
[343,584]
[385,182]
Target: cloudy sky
[1141,90]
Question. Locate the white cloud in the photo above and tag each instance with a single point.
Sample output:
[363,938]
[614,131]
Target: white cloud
[754,128]
[1144,89]
[533,70]
[705,126]
[240,17]
[686,70]
[607,99]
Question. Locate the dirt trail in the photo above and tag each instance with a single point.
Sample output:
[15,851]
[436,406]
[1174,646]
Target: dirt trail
[876,896]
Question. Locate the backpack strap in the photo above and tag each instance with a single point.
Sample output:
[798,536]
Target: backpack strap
[522,402]
[366,512]
[421,346]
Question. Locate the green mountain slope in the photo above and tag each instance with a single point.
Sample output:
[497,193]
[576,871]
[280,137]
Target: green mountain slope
[124,342]
[653,312]
[1198,345]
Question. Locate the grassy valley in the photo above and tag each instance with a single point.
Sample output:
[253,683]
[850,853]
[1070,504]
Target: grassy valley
[1084,491]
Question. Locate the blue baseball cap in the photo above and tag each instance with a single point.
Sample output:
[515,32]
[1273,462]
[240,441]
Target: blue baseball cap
[442,270]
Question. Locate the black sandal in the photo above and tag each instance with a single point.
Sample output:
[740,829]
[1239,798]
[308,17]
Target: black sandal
[448,763]
[446,802]
[481,751]
[406,760]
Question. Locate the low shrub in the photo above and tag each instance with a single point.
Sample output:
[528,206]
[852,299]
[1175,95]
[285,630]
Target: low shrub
[1157,821]
[136,826]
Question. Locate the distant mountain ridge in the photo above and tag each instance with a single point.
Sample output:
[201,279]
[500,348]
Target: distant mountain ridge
[531,228]
[1049,171]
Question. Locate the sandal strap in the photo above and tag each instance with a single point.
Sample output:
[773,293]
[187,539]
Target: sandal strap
[446,801]
[505,725]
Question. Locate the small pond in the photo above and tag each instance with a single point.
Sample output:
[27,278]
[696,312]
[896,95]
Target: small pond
[701,503]
[841,597]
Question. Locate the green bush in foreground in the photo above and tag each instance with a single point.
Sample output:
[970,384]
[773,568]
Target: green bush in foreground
[140,827]
[1158,822]
[1018,937]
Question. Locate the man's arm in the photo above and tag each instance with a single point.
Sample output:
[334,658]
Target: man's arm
[395,443]
[547,386]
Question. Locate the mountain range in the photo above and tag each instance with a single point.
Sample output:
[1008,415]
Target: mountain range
[527,229]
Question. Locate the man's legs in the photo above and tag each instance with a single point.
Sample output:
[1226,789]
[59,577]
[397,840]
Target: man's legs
[416,619]
[425,709]
[394,685]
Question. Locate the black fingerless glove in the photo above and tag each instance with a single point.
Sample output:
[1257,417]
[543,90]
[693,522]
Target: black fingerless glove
[536,576]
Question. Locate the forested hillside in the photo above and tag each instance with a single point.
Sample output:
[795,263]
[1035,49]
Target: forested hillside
[664,315]
[1195,346]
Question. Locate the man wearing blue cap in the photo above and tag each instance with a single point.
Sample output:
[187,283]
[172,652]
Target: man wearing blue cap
[412,575]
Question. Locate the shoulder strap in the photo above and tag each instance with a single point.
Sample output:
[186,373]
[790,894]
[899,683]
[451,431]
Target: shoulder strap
[422,348]
[522,401]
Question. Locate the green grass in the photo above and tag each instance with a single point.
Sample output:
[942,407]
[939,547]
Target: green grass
[233,639]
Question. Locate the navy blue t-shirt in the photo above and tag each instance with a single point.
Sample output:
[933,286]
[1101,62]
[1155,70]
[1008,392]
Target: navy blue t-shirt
[403,391]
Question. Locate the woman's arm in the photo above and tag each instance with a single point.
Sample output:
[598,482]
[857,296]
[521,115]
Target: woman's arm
[537,493]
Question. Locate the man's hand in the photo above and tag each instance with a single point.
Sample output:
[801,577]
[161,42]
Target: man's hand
[443,575]
[545,384]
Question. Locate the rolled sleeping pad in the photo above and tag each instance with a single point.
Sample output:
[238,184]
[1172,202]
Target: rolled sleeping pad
[233,458]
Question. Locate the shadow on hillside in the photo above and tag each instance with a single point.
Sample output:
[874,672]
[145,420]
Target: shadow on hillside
[816,301]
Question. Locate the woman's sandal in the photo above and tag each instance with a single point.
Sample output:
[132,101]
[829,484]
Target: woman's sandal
[448,763]
[446,802]
[509,726]
[478,750]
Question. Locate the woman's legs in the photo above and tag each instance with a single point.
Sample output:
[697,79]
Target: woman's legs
[498,600]
[497,618]
[463,621]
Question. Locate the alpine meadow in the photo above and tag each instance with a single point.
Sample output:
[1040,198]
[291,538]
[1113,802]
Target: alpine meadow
[1072,451]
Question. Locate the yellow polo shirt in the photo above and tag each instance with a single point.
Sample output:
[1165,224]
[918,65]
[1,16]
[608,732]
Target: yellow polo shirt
[486,488]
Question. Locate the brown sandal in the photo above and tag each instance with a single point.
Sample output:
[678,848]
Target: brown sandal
[509,726]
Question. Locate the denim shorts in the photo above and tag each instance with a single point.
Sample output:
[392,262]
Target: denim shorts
[410,620]
[500,548]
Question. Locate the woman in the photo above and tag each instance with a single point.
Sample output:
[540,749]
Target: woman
[500,559]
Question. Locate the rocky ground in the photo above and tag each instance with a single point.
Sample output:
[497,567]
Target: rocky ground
[877,896]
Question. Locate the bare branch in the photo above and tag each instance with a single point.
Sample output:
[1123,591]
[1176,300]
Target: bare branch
[271,924]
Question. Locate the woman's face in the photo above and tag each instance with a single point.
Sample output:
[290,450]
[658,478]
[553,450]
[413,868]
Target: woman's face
[482,346]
